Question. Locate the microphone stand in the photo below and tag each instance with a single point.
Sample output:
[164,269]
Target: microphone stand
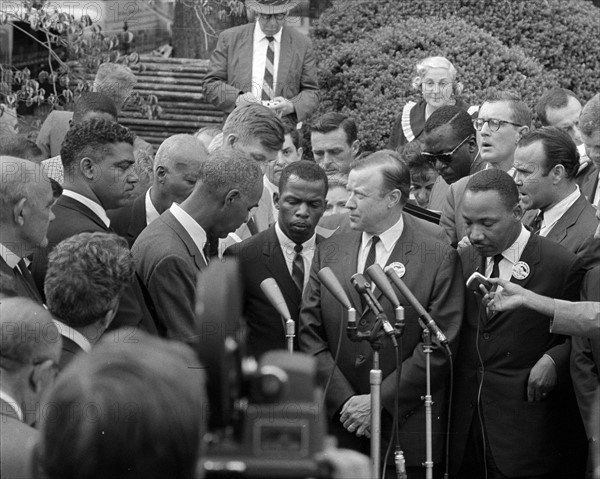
[290,328]
[428,349]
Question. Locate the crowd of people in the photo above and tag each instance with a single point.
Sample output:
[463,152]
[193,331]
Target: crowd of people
[102,242]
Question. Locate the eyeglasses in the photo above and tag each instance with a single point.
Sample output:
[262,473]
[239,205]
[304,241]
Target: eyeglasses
[492,123]
[268,16]
[445,158]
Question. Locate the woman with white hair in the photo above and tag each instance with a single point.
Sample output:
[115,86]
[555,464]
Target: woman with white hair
[436,79]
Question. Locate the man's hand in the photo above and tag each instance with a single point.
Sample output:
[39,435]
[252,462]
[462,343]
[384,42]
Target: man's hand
[282,106]
[356,415]
[542,379]
[246,99]
[511,296]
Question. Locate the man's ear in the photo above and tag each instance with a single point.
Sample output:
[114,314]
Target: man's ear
[521,132]
[230,140]
[276,199]
[518,212]
[300,151]
[161,172]
[473,148]
[42,376]
[395,198]
[19,211]
[89,169]
[231,197]
[355,147]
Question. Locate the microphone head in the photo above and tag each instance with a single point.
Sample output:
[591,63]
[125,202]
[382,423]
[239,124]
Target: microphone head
[271,290]
[378,277]
[332,284]
[360,283]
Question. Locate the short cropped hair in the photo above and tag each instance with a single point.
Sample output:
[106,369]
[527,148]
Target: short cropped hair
[255,122]
[305,170]
[559,149]
[332,121]
[497,180]
[589,120]
[134,409]
[94,102]
[227,169]
[520,112]
[89,139]
[20,146]
[554,98]
[458,119]
[19,179]
[86,275]
[289,128]
[396,174]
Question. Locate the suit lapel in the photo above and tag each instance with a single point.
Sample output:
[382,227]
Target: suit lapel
[138,216]
[276,264]
[244,52]
[285,60]
[185,237]
[349,265]
[559,230]
[71,204]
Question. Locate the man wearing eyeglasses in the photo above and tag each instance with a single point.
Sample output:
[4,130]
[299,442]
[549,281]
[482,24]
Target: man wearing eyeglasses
[264,62]
[502,120]
[29,357]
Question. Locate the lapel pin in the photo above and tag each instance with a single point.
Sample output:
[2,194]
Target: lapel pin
[520,270]
[398,268]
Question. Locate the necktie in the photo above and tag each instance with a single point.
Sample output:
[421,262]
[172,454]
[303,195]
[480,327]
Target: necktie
[371,256]
[536,224]
[495,274]
[298,268]
[24,275]
[251,224]
[596,202]
[267,90]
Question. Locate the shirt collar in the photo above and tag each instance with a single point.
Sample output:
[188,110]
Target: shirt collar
[92,205]
[514,251]
[75,336]
[151,212]
[288,245]
[9,256]
[192,227]
[388,238]
[260,36]
[553,214]
[8,399]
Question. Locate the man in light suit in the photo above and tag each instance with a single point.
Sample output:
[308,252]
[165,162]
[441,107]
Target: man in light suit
[512,381]
[266,61]
[26,202]
[271,254]
[98,161]
[546,164]
[176,171]
[171,251]
[419,252]
[31,348]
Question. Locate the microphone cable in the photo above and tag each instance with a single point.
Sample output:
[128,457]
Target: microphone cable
[395,426]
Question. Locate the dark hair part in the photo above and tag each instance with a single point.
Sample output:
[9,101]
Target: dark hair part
[289,128]
[86,275]
[589,120]
[457,118]
[332,121]
[559,149]
[496,180]
[520,112]
[90,138]
[93,102]
[304,170]
[255,122]
[20,146]
[552,99]
[394,170]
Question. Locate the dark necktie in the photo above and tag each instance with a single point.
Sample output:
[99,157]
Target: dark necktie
[371,256]
[494,274]
[24,276]
[251,224]
[267,90]
[536,224]
[298,268]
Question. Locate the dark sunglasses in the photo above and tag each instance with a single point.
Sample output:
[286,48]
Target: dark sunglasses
[445,158]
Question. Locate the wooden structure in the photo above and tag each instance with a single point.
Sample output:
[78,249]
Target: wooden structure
[177,83]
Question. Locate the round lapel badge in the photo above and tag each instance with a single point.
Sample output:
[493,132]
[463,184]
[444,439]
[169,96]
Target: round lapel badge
[398,268]
[520,270]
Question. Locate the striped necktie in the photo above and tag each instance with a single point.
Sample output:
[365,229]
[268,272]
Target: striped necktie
[298,268]
[267,90]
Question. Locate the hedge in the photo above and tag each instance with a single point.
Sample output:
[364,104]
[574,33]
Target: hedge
[562,35]
[371,79]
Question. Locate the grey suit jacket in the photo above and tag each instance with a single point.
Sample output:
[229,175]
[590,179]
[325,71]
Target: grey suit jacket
[16,445]
[168,262]
[589,186]
[230,70]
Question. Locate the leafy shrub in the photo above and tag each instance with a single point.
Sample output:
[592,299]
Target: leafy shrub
[371,79]
[562,35]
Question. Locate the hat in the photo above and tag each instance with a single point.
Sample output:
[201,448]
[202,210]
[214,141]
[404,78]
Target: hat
[271,7]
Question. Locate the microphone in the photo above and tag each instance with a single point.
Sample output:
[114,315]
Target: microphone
[378,277]
[271,290]
[361,285]
[332,284]
[423,314]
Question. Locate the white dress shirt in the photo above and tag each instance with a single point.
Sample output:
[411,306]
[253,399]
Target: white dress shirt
[552,215]
[75,336]
[287,248]
[383,249]
[9,256]
[92,205]
[192,228]
[259,59]
[8,399]
[510,256]
[151,213]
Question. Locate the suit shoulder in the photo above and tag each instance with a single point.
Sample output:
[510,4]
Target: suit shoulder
[297,36]
[236,31]
[556,253]
[427,231]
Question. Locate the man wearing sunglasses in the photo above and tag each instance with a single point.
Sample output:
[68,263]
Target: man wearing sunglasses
[264,62]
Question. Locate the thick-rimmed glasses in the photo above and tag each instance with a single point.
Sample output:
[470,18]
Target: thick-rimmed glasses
[276,16]
[493,123]
[445,158]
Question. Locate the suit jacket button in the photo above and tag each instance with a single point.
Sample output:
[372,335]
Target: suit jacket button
[486,336]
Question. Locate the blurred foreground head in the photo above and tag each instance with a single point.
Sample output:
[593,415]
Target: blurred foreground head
[129,409]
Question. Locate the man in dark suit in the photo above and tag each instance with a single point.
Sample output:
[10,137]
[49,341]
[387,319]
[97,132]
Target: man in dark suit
[97,156]
[511,373]
[28,366]
[171,251]
[272,254]
[546,164]
[25,212]
[419,252]
[266,62]
[94,266]
[176,171]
